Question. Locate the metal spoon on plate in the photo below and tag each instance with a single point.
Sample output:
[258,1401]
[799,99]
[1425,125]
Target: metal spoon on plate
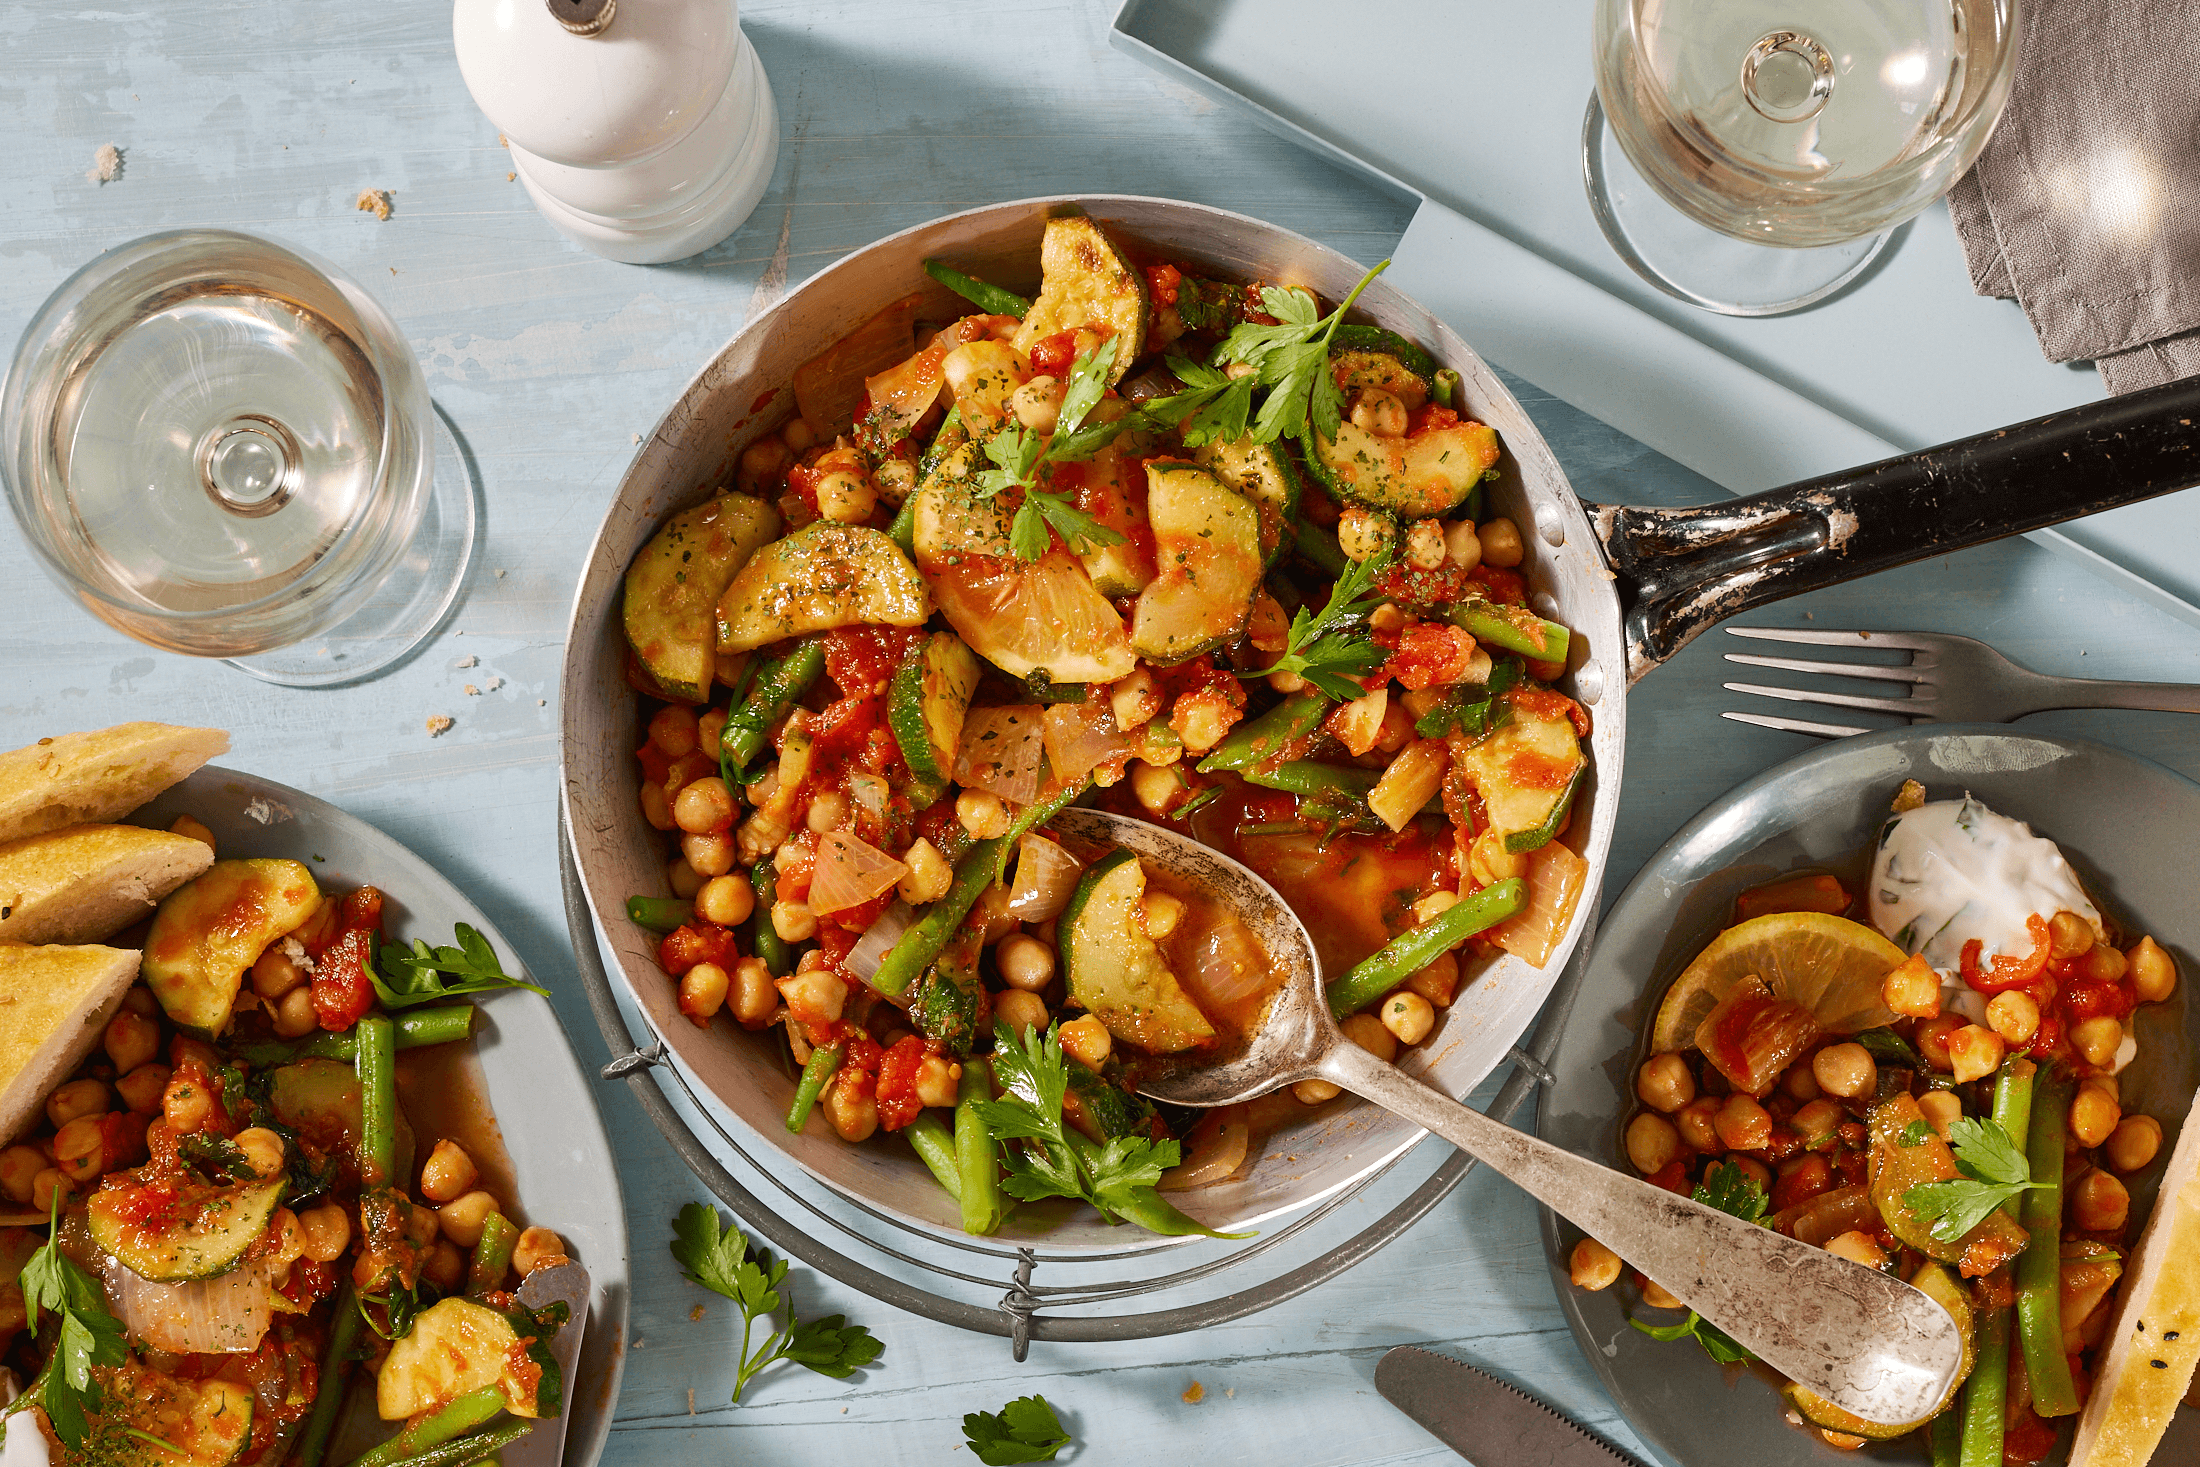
[567,1284]
[1869,1343]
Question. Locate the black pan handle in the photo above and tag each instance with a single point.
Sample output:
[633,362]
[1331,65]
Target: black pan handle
[1681,570]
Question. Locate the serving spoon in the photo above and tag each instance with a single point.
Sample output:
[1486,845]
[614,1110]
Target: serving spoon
[1869,1343]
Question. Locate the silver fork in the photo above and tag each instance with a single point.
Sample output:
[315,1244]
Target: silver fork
[1950,679]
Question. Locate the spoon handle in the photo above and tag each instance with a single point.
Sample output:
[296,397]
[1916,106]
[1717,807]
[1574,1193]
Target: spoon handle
[1867,1342]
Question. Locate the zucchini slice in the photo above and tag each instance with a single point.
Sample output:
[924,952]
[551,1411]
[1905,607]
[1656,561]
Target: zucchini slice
[949,1003]
[168,1231]
[1116,972]
[1208,564]
[208,1421]
[1429,473]
[823,576]
[321,1100]
[456,1347]
[1265,475]
[1526,773]
[1086,282]
[673,586]
[207,933]
[1938,1285]
[950,520]
[1126,567]
[925,705]
[1369,356]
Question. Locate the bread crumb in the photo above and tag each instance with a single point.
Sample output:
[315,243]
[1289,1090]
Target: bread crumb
[500,575]
[472,691]
[542,702]
[637,438]
[691,1389]
[695,1314]
[1194,1394]
[1231,1392]
[639,1343]
[106,165]
[375,201]
[511,178]
[438,724]
[495,683]
[502,141]
[468,661]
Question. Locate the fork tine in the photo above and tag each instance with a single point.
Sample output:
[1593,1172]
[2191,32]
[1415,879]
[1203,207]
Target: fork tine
[1901,641]
[1905,707]
[1797,725]
[1897,674]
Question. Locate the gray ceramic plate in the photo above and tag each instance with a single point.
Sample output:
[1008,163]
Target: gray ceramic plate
[2127,825]
[537,1088]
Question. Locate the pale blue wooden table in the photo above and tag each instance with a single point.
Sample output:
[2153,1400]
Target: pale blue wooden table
[273,117]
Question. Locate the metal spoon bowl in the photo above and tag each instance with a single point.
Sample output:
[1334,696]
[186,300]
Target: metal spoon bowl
[1871,1344]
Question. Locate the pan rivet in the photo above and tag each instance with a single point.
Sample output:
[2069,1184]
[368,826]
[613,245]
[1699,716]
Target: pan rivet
[1589,683]
[1554,533]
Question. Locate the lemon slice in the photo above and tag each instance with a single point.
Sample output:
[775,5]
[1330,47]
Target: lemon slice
[1830,965]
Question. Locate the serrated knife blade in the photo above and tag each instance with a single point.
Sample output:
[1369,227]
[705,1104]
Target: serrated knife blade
[1483,1419]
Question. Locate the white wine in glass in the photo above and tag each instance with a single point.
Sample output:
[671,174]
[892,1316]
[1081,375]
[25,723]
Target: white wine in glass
[1788,138]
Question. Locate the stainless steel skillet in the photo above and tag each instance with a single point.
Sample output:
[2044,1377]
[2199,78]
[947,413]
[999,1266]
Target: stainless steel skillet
[1634,585]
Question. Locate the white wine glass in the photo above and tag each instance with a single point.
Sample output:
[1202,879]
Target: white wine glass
[224,447]
[1751,156]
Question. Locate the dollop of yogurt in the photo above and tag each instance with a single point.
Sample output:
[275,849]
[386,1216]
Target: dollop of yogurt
[1953,870]
[23,1445]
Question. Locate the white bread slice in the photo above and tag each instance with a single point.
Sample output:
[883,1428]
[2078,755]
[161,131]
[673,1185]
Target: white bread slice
[2155,1341]
[88,882]
[54,1006]
[81,778]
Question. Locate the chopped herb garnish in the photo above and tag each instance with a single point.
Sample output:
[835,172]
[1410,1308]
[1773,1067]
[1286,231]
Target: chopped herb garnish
[1994,1170]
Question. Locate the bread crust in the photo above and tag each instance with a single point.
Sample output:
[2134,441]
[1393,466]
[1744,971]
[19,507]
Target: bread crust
[97,776]
[88,882]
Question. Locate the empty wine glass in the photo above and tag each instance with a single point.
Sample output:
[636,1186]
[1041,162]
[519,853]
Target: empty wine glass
[1749,156]
[222,446]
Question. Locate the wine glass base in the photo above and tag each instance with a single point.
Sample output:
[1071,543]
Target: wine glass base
[408,606]
[1696,264]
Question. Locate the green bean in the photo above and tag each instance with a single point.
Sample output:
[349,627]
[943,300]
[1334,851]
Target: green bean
[1307,777]
[456,1419]
[764,939]
[920,945]
[2012,1109]
[335,1361]
[1414,949]
[1262,738]
[983,294]
[468,1451]
[414,1028]
[777,686]
[1944,1439]
[492,1254]
[376,1060]
[977,1155]
[1031,817]
[2039,1266]
[935,1147]
[1448,388]
[1986,1393]
[824,1061]
[659,914]
[1511,629]
[903,531]
[1319,547]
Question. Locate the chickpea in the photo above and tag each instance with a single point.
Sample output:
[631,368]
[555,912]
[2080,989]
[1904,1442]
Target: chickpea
[294,1015]
[1368,1032]
[1314,1092]
[19,1167]
[77,1148]
[752,995]
[186,825]
[1134,700]
[326,1232]
[814,995]
[1396,730]
[1697,1123]
[2097,1038]
[1846,1070]
[1665,1083]
[703,990]
[444,1265]
[828,811]
[846,497]
[710,854]
[1817,1121]
[2099,1203]
[537,1248]
[131,1040]
[140,1090]
[1021,1011]
[1038,403]
[1912,989]
[1160,914]
[1380,413]
[77,1098]
[1858,1247]
[1425,544]
[703,807]
[1087,1041]
[1501,545]
[852,1111]
[139,1000]
[448,1174]
[794,921]
[2153,971]
[894,480]
[1387,618]
[1362,533]
[1462,546]
[929,876]
[1652,1143]
[462,1219]
[2130,1146]
[2094,1115]
[1286,682]
[263,1150]
[982,814]
[1408,1016]
[1156,786]
[1656,1296]
[684,879]
[674,730]
[1932,1038]
[1800,1083]
[2107,1084]
[936,1080]
[1593,1266]
[1434,905]
[1025,963]
[2014,1015]
[656,808]
[1488,861]
[1941,1110]
[2068,936]
[1743,1124]
[44,1187]
[1437,982]
[2103,964]
[727,901]
[764,461]
[798,435]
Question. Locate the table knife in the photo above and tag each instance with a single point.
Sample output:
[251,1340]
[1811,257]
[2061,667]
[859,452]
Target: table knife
[1483,1419]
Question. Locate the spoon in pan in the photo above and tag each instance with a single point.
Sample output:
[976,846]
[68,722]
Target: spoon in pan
[1870,1344]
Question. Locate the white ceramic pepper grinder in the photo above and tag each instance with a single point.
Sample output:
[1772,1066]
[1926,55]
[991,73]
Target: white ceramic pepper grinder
[644,131]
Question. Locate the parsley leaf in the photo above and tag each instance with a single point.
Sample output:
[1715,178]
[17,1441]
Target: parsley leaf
[1024,1430]
[717,1256]
[1716,1342]
[89,1336]
[1088,379]
[1014,451]
[1316,647]
[1733,1191]
[1994,1170]
[1027,533]
[1018,454]
[1888,1047]
[1474,711]
[409,978]
[1916,1133]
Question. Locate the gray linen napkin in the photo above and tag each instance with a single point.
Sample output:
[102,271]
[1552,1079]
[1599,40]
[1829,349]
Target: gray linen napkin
[2086,204]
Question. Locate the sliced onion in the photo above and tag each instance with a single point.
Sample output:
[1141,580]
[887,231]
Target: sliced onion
[225,1315]
[828,386]
[1555,879]
[871,948]
[1000,751]
[1080,737]
[868,793]
[1411,781]
[1222,967]
[1828,1215]
[1045,876]
[850,872]
[1216,1148]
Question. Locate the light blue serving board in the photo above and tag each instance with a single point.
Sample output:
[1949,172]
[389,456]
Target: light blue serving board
[1475,108]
